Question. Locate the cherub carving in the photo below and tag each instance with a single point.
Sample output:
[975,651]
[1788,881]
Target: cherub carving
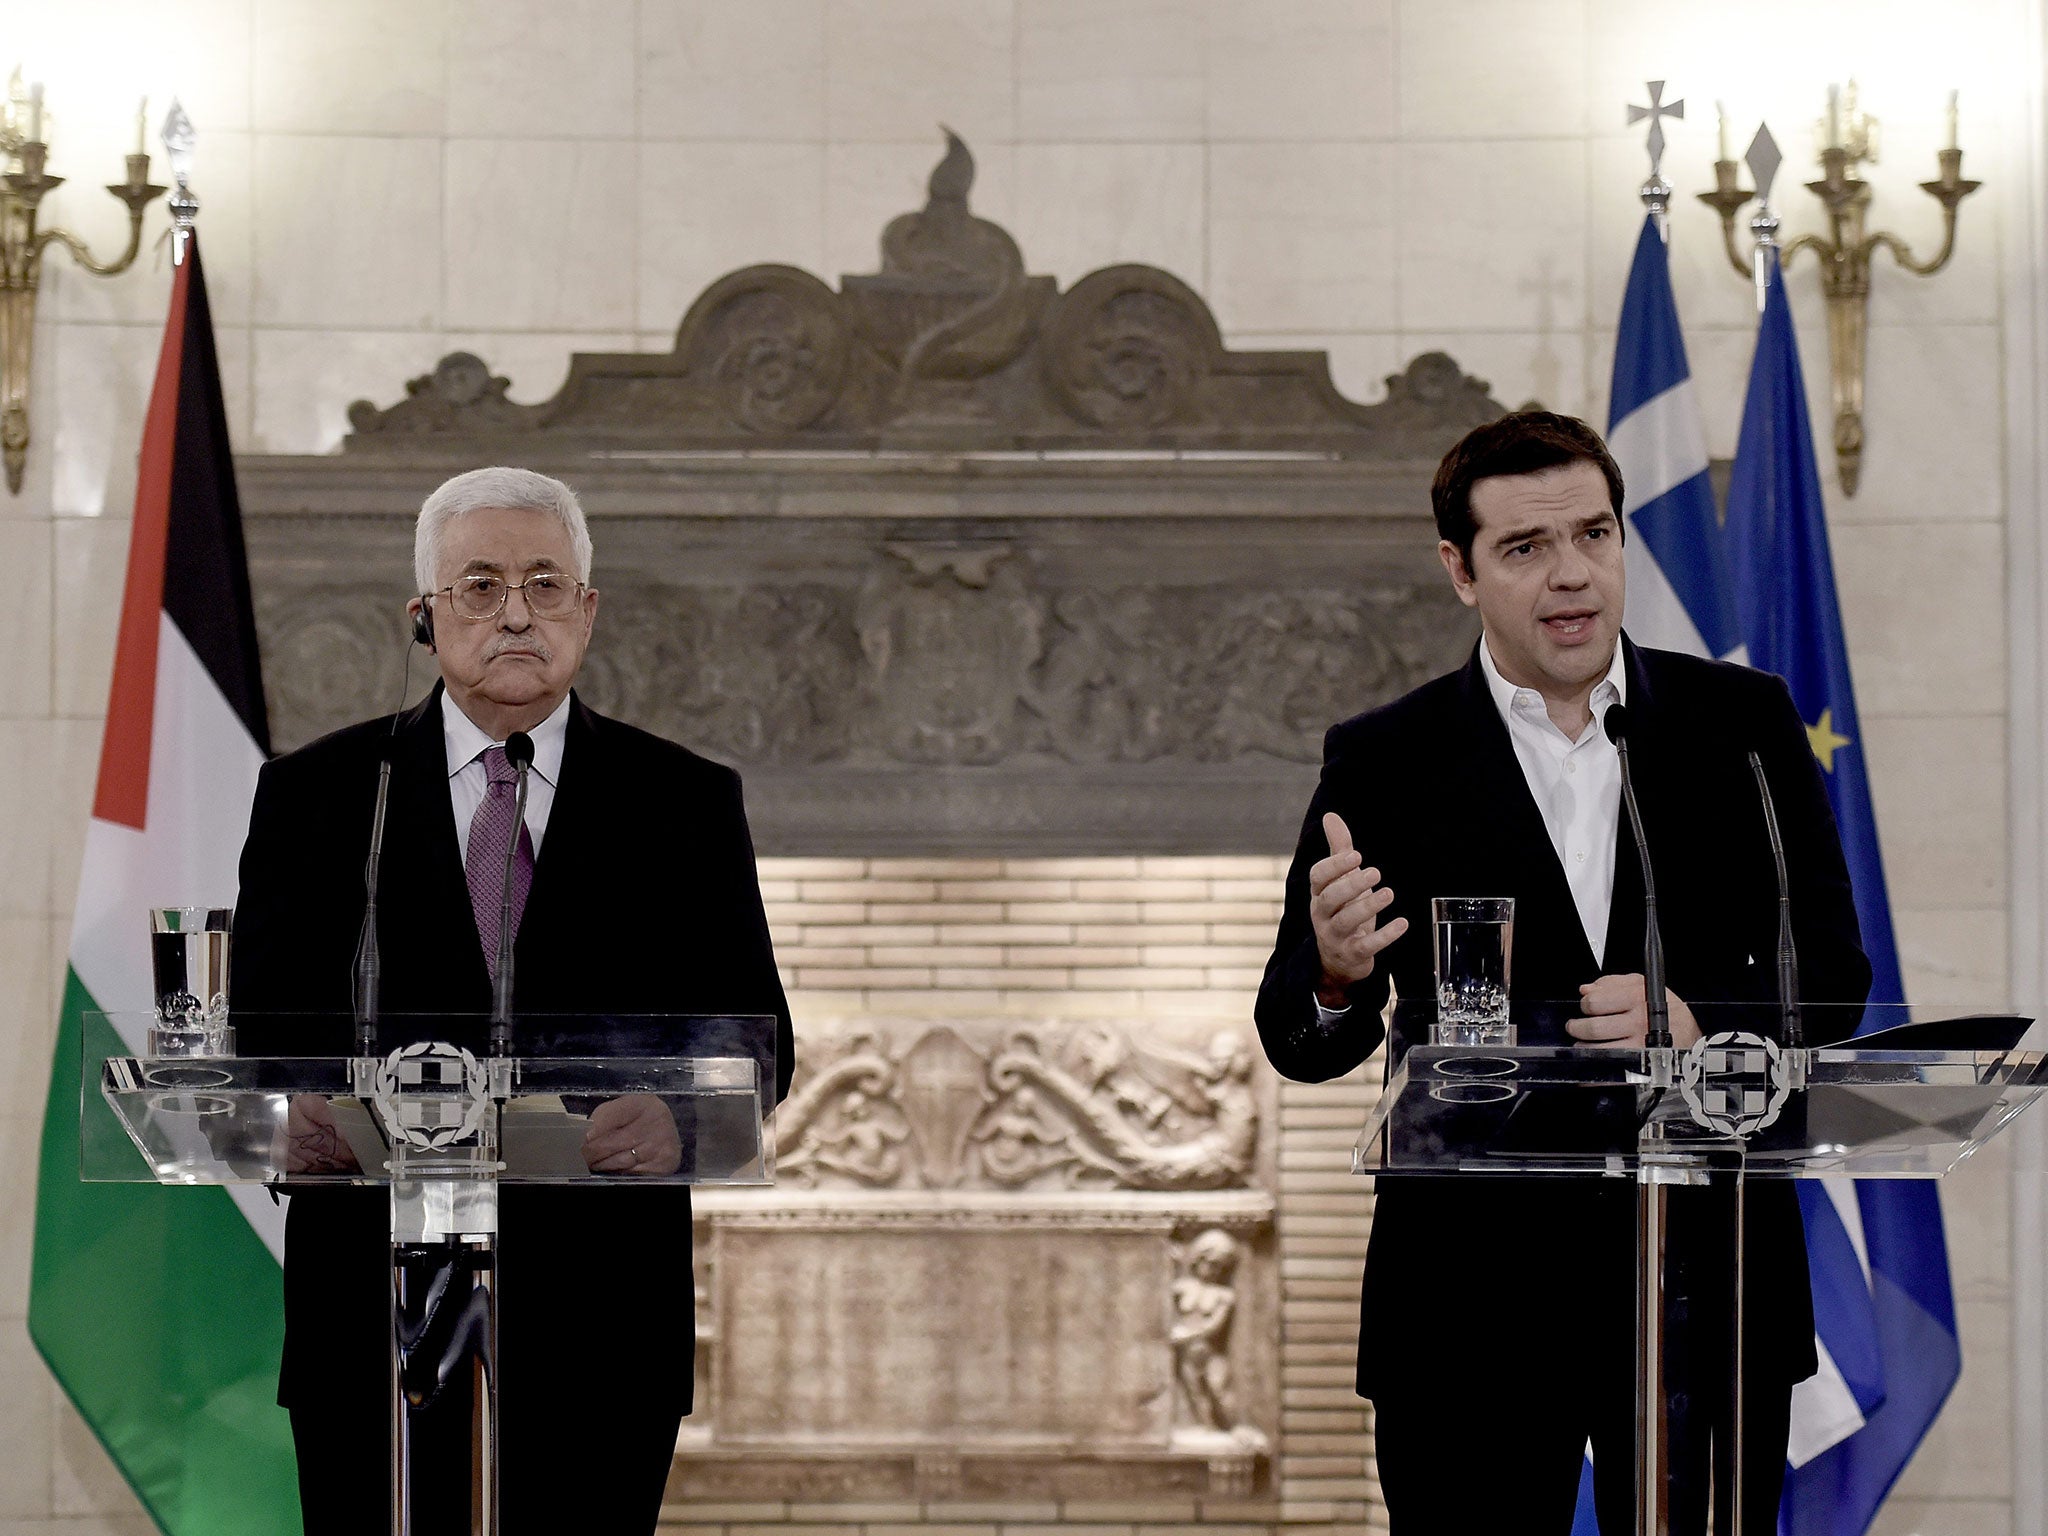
[1019,1140]
[861,1137]
[1203,1304]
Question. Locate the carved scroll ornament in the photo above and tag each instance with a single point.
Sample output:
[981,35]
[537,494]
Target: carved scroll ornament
[1044,1106]
[951,344]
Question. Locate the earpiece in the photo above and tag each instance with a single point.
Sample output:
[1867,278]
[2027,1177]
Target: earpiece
[423,627]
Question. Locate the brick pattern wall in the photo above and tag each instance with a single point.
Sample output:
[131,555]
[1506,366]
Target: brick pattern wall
[1126,938]
[1094,937]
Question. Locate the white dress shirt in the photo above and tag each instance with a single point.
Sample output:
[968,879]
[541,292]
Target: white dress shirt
[469,780]
[1576,785]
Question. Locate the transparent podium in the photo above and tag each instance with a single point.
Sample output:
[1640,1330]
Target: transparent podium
[1901,1101]
[615,1101]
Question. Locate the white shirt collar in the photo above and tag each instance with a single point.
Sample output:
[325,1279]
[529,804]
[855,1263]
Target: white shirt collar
[1509,698]
[467,741]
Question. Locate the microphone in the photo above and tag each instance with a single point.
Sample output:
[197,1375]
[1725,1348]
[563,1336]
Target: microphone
[1615,723]
[519,752]
[369,973]
[1788,956]
[369,977]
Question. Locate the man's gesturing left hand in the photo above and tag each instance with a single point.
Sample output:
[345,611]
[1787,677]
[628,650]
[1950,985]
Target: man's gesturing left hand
[1617,1012]
[634,1134]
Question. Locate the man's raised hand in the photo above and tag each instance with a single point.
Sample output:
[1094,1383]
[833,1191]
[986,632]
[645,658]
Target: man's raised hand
[1345,902]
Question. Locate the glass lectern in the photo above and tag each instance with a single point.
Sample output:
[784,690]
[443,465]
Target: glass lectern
[602,1100]
[1906,1101]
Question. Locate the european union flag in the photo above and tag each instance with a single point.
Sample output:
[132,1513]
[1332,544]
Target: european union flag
[1883,1307]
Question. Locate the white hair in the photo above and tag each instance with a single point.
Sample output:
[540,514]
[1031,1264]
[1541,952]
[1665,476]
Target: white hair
[518,490]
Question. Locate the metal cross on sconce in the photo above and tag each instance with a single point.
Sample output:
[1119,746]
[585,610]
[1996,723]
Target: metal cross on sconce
[1849,138]
[1656,191]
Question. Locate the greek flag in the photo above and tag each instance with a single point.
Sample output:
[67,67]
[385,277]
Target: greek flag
[1680,597]
[1883,1308]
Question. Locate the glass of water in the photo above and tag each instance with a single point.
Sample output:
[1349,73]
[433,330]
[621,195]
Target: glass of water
[1475,940]
[188,955]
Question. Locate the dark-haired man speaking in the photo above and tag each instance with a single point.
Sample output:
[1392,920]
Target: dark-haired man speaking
[1498,1316]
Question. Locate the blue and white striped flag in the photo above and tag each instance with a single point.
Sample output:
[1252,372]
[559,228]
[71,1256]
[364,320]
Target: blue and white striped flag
[1680,597]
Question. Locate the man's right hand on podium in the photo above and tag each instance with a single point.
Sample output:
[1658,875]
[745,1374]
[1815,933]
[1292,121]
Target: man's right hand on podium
[1345,902]
[313,1142]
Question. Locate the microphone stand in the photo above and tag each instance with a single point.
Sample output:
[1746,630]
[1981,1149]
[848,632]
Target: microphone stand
[369,973]
[1788,956]
[1657,1177]
[1658,1036]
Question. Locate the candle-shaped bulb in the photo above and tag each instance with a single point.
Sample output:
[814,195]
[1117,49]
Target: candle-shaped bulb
[1834,117]
[142,127]
[1723,152]
[1950,141]
[35,111]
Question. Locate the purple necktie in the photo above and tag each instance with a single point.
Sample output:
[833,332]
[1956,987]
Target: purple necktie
[490,834]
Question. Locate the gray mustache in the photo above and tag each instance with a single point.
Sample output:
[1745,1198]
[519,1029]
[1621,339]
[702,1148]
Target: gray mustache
[504,649]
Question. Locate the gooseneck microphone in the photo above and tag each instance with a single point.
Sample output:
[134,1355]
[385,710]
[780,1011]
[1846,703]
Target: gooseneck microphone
[1794,1027]
[519,753]
[1659,1035]
[369,973]
[369,978]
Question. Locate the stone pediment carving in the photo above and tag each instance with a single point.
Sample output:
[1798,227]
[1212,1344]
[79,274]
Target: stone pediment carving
[951,344]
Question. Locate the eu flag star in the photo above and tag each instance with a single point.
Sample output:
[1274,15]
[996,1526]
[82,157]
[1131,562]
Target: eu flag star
[1821,736]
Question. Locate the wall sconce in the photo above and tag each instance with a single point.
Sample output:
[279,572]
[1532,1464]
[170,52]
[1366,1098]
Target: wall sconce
[1848,139]
[24,150]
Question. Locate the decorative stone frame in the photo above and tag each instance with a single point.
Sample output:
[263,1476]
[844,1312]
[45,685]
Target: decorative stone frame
[951,562]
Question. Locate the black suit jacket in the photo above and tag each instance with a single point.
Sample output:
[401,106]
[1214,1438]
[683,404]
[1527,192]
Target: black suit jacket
[1435,797]
[644,900]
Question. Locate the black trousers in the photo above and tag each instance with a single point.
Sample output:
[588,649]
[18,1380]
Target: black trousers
[1460,1464]
[573,1472]
[594,1351]
[1494,1436]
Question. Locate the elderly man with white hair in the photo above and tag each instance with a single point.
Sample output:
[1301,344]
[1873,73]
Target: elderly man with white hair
[633,892]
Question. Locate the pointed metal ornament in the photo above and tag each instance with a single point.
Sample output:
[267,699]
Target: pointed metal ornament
[1763,159]
[179,141]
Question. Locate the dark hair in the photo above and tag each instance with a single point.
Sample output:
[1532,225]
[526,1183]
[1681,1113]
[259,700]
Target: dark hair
[1519,443]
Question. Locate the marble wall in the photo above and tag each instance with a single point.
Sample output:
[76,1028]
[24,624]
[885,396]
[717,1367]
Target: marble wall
[1377,177]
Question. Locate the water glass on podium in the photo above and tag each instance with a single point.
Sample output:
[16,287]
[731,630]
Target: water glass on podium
[1474,946]
[188,955]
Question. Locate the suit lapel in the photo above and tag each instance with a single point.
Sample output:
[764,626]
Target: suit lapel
[568,841]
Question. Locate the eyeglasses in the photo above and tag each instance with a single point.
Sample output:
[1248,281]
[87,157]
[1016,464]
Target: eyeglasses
[549,595]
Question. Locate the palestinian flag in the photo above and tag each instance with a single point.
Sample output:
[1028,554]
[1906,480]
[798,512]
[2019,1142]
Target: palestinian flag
[160,1310]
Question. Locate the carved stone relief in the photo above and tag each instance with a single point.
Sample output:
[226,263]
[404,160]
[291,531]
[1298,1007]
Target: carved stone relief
[1022,1106]
[945,656]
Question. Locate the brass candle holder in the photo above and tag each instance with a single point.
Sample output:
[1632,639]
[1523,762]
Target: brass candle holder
[1845,251]
[26,182]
